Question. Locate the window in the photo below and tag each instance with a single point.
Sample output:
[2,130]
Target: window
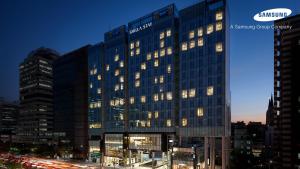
[117,57]
[162,35]
[162,52]
[137,44]
[99,77]
[169,96]
[169,51]
[184,94]
[219,26]
[169,123]
[210,91]
[161,79]
[155,97]
[156,114]
[143,66]
[137,75]
[91,85]
[168,32]
[161,96]
[210,29]
[184,46]
[200,31]
[184,122]
[107,67]
[117,87]
[137,83]
[121,79]
[148,56]
[169,68]
[143,99]
[132,53]
[192,44]
[137,51]
[117,72]
[155,80]
[121,64]
[148,123]
[95,71]
[200,41]
[156,63]
[219,16]
[131,45]
[155,54]
[131,100]
[191,34]
[162,44]
[99,90]
[219,47]
[149,115]
[200,111]
[192,92]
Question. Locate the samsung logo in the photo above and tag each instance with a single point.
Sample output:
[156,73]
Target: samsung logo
[272,14]
[139,28]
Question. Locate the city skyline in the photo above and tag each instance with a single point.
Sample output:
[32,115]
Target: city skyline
[250,92]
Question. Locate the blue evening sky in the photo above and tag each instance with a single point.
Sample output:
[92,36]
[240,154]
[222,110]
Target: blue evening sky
[65,25]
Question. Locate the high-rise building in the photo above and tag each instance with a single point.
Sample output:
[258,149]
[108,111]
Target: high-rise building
[9,112]
[71,101]
[287,93]
[159,90]
[36,97]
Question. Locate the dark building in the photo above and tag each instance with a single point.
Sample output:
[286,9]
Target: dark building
[36,97]
[9,112]
[269,133]
[287,93]
[71,101]
[160,86]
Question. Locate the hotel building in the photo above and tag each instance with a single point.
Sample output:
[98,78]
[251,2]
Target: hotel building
[159,90]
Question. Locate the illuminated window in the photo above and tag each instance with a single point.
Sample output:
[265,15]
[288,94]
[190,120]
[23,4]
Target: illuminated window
[184,122]
[184,94]
[131,100]
[91,72]
[121,87]
[155,97]
[91,105]
[161,79]
[121,64]
[210,91]
[143,124]
[168,32]
[200,31]
[161,96]
[121,79]
[149,115]
[162,52]
[192,92]
[169,123]
[218,26]
[99,77]
[117,87]
[184,46]
[156,114]
[132,53]
[112,102]
[107,67]
[191,34]
[219,47]
[137,75]
[156,63]
[155,80]
[143,66]
[99,104]
[200,41]
[192,44]
[121,116]
[117,72]
[137,44]
[99,90]
[137,51]
[169,51]
[148,123]
[116,58]
[169,96]
[210,29]
[143,99]
[131,45]
[137,83]
[162,35]
[149,56]
[95,125]
[155,54]
[219,16]
[95,71]
[91,85]
[200,111]
[162,44]
[169,69]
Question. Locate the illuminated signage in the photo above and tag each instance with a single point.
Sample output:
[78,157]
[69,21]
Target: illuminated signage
[272,14]
[139,28]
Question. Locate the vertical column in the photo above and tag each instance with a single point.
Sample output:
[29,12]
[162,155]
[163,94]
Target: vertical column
[206,152]
[212,152]
[223,152]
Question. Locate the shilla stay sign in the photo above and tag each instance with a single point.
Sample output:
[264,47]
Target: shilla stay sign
[272,14]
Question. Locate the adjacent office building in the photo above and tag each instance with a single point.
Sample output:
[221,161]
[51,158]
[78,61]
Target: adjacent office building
[36,97]
[159,90]
[9,112]
[71,101]
[287,93]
